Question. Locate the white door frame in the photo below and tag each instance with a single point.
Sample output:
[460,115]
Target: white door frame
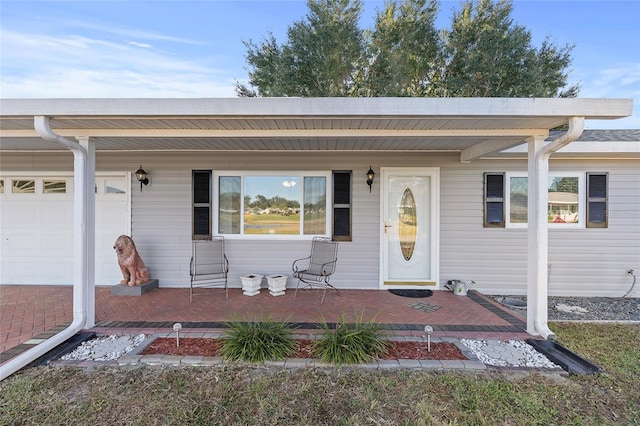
[434,226]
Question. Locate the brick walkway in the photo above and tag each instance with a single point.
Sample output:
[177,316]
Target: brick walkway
[29,311]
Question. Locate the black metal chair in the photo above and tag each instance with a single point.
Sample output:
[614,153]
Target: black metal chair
[209,265]
[316,269]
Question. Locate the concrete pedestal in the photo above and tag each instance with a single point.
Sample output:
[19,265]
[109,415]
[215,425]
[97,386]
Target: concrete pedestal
[136,290]
[251,284]
[277,284]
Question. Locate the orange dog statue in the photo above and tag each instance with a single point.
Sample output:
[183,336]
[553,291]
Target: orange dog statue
[131,265]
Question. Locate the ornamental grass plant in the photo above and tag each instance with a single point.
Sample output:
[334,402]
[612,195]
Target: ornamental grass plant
[255,341]
[350,342]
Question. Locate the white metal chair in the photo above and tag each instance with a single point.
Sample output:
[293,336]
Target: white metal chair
[317,268]
[209,265]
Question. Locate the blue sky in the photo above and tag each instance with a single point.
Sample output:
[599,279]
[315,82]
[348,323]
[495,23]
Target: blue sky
[127,49]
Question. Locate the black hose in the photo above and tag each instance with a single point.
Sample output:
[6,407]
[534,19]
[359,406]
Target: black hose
[630,271]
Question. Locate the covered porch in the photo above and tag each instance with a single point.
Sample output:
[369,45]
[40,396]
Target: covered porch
[163,130]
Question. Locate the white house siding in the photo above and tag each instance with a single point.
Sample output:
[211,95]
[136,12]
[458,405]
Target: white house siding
[587,261]
[161,216]
[583,261]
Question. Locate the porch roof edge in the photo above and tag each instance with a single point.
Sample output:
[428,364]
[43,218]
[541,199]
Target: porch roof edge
[591,108]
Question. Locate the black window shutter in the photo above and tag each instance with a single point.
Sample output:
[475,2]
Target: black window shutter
[494,200]
[201,203]
[341,206]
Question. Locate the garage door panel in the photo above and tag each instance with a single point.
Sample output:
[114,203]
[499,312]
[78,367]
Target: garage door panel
[18,242]
[37,232]
[56,243]
[107,273]
[20,272]
[19,215]
[57,272]
[58,213]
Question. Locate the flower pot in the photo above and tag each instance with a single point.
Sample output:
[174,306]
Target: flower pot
[277,284]
[251,284]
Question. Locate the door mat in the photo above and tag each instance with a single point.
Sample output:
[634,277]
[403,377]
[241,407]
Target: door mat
[411,293]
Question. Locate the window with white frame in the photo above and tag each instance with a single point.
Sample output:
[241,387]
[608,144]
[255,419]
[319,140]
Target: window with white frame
[573,199]
[272,204]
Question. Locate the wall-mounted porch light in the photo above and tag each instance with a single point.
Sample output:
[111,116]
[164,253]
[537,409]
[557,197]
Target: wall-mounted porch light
[141,175]
[370,175]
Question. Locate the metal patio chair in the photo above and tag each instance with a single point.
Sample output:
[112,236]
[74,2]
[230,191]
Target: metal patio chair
[209,265]
[316,269]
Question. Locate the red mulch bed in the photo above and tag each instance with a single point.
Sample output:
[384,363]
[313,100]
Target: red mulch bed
[211,347]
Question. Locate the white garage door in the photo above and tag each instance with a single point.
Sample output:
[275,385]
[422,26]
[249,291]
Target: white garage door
[36,228]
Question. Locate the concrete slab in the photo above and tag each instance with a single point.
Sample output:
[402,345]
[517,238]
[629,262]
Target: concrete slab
[136,290]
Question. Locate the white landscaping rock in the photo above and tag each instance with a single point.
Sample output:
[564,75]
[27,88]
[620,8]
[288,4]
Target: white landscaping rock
[571,309]
[107,348]
[511,353]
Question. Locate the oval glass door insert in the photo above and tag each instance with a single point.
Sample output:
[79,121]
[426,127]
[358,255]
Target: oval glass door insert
[407,224]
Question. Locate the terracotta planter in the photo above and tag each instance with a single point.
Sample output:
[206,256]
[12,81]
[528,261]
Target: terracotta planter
[251,284]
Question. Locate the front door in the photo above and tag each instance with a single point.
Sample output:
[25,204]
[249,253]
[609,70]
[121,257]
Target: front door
[410,224]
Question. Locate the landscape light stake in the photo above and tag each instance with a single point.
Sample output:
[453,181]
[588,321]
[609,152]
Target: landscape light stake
[177,327]
[428,329]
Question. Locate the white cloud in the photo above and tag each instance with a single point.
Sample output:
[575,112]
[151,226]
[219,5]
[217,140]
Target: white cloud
[131,33]
[138,44]
[42,66]
[614,81]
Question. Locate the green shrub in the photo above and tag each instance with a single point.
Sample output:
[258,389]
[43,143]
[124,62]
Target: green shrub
[350,343]
[258,341]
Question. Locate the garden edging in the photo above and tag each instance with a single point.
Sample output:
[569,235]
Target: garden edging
[135,357]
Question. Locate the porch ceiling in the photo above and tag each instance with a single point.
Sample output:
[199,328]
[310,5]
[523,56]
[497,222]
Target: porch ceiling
[299,124]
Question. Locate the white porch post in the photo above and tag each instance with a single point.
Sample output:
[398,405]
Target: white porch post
[538,238]
[90,209]
[538,228]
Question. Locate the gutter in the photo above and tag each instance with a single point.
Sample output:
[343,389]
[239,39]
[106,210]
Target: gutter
[576,127]
[80,276]
[540,306]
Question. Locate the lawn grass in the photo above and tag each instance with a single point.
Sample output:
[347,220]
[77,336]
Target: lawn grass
[237,395]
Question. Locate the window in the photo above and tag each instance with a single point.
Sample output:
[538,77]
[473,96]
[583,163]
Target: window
[201,195]
[518,200]
[1,186]
[597,208]
[280,204]
[342,206]
[115,186]
[494,200]
[564,200]
[54,186]
[572,202]
[19,186]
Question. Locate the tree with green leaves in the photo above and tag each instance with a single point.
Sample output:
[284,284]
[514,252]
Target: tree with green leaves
[487,54]
[483,54]
[319,58]
[403,51]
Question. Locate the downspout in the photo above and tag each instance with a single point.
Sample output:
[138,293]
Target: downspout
[80,283]
[537,318]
